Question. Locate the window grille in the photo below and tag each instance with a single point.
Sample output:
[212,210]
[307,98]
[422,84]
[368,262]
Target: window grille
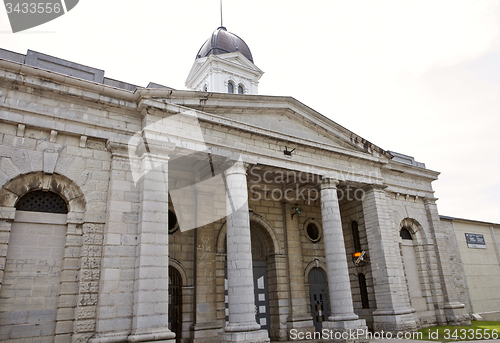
[405,234]
[40,201]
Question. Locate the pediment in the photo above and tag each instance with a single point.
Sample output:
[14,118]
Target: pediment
[288,123]
[280,118]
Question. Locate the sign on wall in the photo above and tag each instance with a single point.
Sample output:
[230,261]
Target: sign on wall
[475,241]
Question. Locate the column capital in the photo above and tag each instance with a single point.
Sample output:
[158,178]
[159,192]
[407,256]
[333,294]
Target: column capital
[374,186]
[239,167]
[117,148]
[328,183]
[155,148]
[430,200]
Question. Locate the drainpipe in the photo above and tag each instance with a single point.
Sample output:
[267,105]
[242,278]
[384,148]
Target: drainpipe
[496,244]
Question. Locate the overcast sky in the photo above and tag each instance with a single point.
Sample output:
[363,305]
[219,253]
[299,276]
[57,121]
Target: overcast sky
[417,77]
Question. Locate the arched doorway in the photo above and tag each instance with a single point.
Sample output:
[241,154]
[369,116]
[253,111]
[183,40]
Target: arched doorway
[29,298]
[262,262]
[261,284]
[318,293]
[175,302]
[410,265]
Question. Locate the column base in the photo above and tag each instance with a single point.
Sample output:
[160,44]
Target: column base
[258,336]
[206,332]
[456,314]
[164,336]
[114,337]
[301,324]
[394,320]
[352,331]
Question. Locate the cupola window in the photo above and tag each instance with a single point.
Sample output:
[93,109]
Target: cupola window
[240,89]
[230,88]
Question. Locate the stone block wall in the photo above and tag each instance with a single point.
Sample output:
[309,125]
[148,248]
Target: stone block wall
[353,211]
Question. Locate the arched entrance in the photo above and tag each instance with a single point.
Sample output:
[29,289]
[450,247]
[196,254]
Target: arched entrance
[318,293]
[175,302]
[264,251]
[410,266]
[261,285]
[30,292]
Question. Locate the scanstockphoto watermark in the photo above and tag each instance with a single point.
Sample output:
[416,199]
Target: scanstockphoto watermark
[25,14]
[352,334]
[302,186]
[300,193]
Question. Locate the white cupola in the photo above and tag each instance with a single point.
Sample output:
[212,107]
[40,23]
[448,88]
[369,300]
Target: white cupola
[224,64]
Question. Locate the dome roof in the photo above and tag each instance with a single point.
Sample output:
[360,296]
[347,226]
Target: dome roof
[223,42]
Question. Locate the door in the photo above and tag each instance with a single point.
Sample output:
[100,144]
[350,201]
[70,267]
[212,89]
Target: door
[318,293]
[262,315]
[175,303]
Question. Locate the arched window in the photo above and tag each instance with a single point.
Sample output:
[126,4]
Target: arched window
[240,89]
[363,290]
[40,201]
[355,236]
[230,87]
[405,234]
[175,302]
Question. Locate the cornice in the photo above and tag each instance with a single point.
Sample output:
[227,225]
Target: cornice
[399,167]
[245,101]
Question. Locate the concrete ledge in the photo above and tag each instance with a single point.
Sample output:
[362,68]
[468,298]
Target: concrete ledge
[490,316]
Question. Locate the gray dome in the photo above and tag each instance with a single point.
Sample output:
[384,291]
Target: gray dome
[223,42]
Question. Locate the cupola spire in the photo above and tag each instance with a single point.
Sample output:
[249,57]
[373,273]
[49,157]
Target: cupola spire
[221,22]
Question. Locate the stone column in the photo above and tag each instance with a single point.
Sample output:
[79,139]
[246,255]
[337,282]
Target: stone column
[150,310]
[299,317]
[393,312]
[242,326]
[342,317]
[116,283]
[446,242]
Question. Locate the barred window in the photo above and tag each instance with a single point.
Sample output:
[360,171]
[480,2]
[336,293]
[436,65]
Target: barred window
[355,236]
[405,234]
[363,290]
[42,201]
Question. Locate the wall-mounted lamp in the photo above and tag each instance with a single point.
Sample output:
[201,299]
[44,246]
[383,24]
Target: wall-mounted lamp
[297,211]
[360,256]
[287,152]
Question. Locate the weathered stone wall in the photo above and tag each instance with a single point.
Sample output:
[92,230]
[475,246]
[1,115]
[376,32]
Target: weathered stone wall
[70,136]
[353,211]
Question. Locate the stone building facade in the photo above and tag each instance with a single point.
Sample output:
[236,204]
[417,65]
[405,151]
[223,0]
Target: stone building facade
[153,214]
